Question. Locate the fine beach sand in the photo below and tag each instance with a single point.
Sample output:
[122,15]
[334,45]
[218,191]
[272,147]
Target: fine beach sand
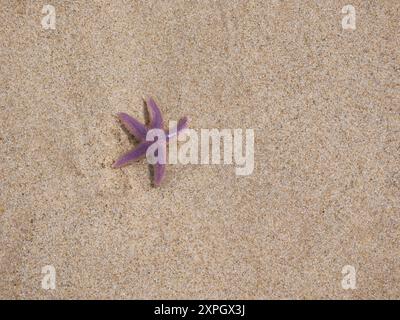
[324,105]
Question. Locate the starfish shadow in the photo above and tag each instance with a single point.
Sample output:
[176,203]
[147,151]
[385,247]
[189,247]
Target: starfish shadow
[131,138]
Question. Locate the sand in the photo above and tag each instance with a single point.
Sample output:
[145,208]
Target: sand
[324,106]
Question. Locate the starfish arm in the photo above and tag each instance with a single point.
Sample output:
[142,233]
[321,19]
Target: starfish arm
[183,124]
[137,129]
[156,120]
[133,155]
[159,173]
[159,167]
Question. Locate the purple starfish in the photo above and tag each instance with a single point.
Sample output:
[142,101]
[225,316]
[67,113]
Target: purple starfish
[139,131]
